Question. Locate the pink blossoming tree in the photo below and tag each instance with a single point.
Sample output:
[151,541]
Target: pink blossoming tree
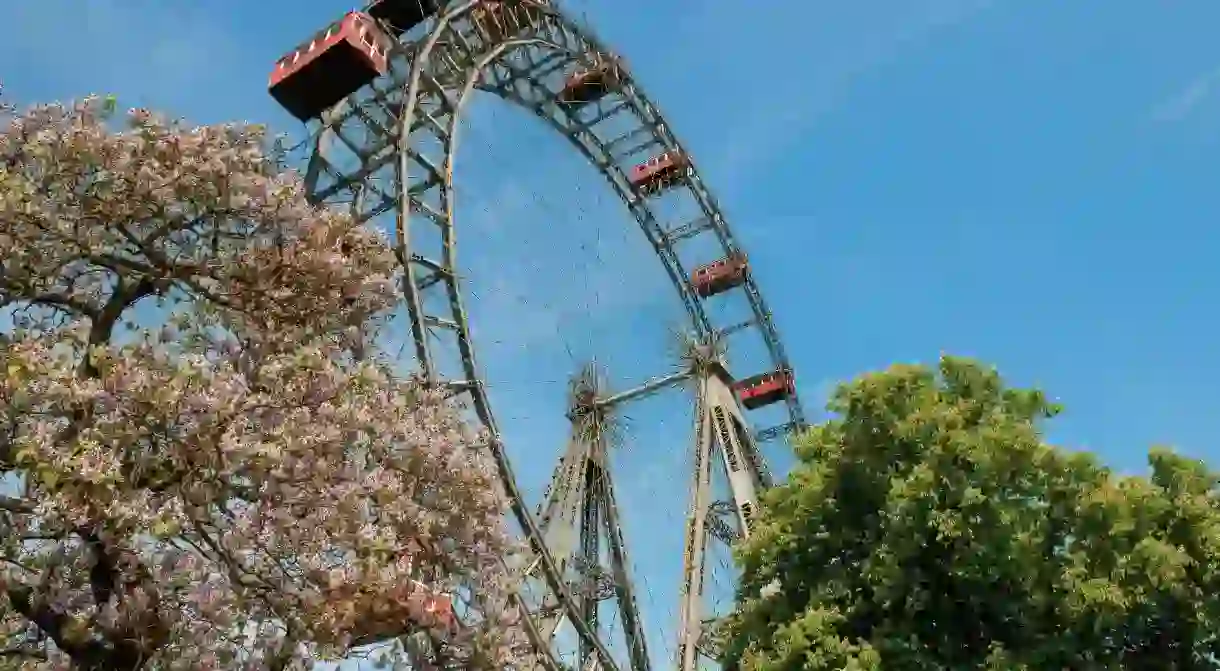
[247,486]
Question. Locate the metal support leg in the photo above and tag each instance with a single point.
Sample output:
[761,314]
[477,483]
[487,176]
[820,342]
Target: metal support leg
[696,537]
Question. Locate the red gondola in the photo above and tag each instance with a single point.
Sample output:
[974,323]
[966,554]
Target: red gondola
[589,84]
[402,15]
[658,172]
[720,276]
[765,389]
[334,64]
[500,21]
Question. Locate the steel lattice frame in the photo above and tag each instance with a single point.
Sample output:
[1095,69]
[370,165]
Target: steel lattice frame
[403,128]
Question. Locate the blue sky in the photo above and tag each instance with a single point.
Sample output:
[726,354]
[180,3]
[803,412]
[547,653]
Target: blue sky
[1031,183]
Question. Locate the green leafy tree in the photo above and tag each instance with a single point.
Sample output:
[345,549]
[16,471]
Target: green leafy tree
[930,526]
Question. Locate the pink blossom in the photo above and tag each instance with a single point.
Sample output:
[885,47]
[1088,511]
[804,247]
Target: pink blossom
[196,492]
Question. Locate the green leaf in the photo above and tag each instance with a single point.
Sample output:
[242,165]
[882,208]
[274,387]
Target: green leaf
[165,528]
[49,478]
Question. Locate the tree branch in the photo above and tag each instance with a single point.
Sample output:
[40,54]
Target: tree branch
[12,505]
[91,655]
[103,574]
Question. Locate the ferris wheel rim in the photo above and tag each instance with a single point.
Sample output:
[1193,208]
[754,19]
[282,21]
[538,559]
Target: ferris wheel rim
[639,106]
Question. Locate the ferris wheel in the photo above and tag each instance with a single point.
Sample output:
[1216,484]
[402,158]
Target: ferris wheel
[389,83]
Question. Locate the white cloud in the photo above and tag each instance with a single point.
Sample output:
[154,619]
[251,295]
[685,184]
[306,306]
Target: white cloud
[1187,100]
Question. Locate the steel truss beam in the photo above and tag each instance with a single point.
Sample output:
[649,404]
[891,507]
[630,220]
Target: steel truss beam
[579,518]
